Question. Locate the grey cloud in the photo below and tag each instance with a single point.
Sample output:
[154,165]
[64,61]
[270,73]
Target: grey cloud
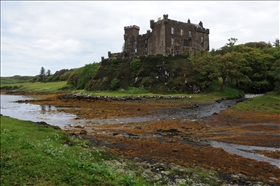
[69,34]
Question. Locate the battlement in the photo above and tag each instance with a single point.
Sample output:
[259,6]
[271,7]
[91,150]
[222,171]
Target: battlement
[166,37]
[132,27]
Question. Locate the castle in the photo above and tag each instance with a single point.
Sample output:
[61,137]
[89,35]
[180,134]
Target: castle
[168,37]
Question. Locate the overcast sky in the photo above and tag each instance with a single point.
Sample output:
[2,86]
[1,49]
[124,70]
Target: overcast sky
[69,34]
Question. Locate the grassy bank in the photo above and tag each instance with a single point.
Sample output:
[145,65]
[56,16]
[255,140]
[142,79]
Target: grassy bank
[268,103]
[38,86]
[36,154]
[33,154]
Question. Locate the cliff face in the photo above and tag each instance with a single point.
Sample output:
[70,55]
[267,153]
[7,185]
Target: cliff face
[155,73]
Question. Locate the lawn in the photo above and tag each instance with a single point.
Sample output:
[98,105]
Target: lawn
[33,154]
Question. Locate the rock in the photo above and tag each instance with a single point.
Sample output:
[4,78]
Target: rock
[83,132]
[79,127]
[157,177]
[273,178]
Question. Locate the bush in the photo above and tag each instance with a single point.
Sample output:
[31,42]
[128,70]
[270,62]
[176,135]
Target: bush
[115,84]
[135,65]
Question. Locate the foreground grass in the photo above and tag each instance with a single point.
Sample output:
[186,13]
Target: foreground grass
[268,103]
[38,86]
[33,154]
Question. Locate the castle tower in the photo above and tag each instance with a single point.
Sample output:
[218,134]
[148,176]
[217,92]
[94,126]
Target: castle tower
[131,31]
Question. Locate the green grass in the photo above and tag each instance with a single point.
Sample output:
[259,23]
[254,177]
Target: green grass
[208,97]
[40,87]
[269,103]
[33,154]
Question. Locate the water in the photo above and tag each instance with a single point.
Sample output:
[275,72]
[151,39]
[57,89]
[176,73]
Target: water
[191,114]
[51,115]
[35,113]
[247,151]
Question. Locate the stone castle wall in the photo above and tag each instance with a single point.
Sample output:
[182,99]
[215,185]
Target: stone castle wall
[168,37]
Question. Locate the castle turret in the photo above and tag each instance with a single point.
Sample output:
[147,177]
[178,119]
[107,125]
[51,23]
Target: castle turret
[152,23]
[131,31]
[165,18]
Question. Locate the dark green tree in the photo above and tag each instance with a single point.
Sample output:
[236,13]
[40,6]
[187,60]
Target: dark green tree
[206,68]
[42,75]
[276,43]
[115,84]
[48,74]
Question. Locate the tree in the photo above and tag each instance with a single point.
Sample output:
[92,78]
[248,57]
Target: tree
[82,77]
[42,74]
[48,73]
[276,43]
[135,65]
[233,66]
[115,84]
[231,42]
[205,68]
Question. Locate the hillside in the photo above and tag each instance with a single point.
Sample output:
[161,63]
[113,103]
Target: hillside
[15,79]
[155,73]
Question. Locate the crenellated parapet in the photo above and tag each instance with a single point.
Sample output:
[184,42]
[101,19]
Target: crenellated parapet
[132,30]
[166,37]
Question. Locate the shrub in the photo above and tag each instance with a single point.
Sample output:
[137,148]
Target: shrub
[115,84]
[135,65]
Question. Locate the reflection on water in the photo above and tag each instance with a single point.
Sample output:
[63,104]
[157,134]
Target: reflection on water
[26,111]
[47,108]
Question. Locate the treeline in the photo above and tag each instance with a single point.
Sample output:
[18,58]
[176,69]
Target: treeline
[46,76]
[252,67]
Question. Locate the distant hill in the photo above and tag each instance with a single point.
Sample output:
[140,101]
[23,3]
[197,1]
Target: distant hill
[16,79]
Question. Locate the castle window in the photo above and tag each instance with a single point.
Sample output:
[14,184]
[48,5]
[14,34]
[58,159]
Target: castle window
[135,50]
[201,39]
[172,41]
[182,42]
[190,33]
[172,30]
[182,32]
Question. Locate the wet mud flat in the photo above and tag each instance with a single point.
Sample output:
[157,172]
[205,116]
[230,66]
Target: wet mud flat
[180,132]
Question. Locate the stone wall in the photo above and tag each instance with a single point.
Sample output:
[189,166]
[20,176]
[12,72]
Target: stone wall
[167,37]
